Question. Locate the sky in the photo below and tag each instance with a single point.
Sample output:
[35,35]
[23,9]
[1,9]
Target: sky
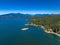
[30,6]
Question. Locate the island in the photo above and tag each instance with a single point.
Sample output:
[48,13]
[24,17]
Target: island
[50,24]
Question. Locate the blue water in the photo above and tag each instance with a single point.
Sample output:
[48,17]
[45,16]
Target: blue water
[11,33]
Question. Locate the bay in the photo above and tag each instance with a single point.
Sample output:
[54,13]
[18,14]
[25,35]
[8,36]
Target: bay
[11,33]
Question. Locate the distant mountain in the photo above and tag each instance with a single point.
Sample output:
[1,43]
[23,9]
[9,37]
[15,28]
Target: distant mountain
[43,15]
[16,15]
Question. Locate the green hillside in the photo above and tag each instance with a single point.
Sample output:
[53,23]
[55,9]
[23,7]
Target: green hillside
[49,22]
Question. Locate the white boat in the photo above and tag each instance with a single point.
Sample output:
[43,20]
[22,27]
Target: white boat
[24,29]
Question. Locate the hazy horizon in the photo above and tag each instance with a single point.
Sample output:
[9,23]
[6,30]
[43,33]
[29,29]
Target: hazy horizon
[27,12]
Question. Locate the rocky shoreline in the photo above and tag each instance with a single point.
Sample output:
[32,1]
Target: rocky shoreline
[45,30]
[50,31]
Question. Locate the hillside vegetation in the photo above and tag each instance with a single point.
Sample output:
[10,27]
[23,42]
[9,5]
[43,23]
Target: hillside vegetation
[49,22]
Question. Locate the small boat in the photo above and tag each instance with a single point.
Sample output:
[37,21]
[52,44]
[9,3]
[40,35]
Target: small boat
[24,28]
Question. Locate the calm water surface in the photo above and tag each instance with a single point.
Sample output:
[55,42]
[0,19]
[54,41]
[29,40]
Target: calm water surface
[11,34]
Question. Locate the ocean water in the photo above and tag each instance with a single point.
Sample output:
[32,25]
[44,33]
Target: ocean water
[11,33]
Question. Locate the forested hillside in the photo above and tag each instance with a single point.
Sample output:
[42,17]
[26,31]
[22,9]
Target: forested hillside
[49,22]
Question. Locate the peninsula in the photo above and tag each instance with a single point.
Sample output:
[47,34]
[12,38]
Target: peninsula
[50,24]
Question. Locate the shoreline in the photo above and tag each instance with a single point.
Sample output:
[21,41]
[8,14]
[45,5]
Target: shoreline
[50,32]
[45,30]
